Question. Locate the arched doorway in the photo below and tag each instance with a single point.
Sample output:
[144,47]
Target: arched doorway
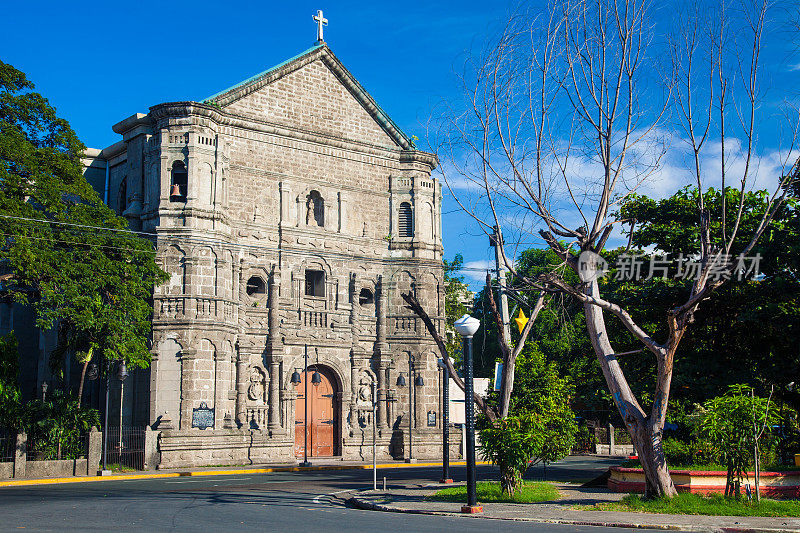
[323,414]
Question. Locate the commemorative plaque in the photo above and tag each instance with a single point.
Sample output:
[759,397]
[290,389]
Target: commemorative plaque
[203,416]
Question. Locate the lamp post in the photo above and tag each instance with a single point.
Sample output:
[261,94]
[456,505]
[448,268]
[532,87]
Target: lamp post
[374,436]
[316,379]
[105,420]
[122,373]
[466,326]
[445,423]
[414,381]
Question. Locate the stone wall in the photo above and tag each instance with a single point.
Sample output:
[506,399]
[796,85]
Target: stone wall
[293,173]
[83,466]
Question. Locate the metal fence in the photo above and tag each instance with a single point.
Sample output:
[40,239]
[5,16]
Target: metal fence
[8,446]
[621,435]
[67,445]
[126,449]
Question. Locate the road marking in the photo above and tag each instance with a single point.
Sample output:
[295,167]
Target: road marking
[137,477]
[206,480]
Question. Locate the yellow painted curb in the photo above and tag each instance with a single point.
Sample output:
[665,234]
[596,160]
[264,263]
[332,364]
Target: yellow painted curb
[157,475]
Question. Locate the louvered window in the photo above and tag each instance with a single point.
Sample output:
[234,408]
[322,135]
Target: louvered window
[405,221]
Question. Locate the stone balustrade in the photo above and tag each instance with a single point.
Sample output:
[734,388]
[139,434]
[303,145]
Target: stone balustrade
[195,307]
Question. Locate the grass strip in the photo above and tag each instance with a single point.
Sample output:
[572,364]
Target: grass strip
[634,463]
[489,492]
[696,504]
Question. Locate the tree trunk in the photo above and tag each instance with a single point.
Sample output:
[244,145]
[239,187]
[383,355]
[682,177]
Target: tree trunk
[83,379]
[413,304]
[757,467]
[645,433]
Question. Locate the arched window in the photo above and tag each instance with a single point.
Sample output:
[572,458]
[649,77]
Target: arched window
[179,182]
[123,195]
[405,221]
[256,286]
[315,209]
[365,297]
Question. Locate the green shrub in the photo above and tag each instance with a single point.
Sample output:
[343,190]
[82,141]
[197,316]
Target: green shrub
[677,452]
[585,440]
[511,443]
[728,422]
[56,426]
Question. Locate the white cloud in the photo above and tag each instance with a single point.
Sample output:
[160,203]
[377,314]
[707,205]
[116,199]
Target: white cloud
[476,270]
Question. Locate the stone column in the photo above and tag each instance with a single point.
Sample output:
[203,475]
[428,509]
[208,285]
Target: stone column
[187,387]
[190,305]
[20,455]
[381,353]
[355,349]
[275,351]
[95,454]
[381,414]
[219,388]
[274,396]
[241,387]
[418,365]
[192,162]
[153,410]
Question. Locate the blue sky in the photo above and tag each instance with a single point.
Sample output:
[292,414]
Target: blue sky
[99,62]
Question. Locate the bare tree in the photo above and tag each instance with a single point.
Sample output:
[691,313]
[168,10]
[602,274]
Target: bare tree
[570,111]
[509,355]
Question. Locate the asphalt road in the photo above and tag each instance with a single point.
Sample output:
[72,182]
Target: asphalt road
[292,501]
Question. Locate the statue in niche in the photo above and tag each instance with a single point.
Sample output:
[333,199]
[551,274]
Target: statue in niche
[256,391]
[364,400]
[315,210]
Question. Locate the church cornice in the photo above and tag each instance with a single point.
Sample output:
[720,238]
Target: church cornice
[173,110]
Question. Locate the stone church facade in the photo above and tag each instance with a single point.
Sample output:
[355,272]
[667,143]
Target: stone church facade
[291,213]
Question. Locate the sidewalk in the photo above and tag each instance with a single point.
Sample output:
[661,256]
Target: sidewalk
[411,499]
[317,464]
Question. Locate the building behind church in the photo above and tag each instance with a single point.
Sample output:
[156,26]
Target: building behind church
[291,213]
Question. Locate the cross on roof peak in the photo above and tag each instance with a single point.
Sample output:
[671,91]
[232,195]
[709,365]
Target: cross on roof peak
[321,21]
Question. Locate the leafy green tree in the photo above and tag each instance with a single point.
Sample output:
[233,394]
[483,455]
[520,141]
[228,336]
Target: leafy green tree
[10,400]
[731,422]
[96,284]
[542,391]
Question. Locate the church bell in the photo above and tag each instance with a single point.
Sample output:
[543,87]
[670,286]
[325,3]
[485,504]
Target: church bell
[176,190]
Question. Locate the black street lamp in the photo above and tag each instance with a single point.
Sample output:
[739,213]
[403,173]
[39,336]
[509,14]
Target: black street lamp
[316,379]
[445,423]
[417,381]
[122,373]
[466,326]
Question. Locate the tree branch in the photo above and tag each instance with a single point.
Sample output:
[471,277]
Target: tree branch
[413,304]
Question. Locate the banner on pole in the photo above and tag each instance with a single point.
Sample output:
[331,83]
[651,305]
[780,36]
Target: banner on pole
[498,375]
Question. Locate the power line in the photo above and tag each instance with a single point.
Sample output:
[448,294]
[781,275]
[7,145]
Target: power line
[198,240]
[80,243]
[193,240]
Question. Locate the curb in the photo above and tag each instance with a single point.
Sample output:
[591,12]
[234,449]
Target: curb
[229,472]
[369,506]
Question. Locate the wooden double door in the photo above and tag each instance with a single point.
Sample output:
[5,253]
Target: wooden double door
[321,430]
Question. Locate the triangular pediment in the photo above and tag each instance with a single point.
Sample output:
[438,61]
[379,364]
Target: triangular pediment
[313,91]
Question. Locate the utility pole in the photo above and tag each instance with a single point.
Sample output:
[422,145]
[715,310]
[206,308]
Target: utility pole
[496,240]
